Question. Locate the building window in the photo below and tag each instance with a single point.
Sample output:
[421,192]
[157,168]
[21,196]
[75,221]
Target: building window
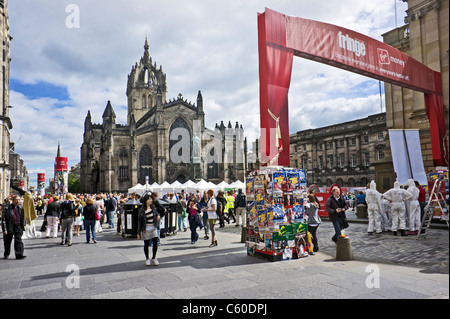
[304,163]
[379,154]
[366,159]
[366,139]
[330,161]
[304,147]
[123,164]
[380,136]
[319,146]
[353,162]
[320,162]
[145,164]
[341,160]
[353,141]
[213,170]
[330,145]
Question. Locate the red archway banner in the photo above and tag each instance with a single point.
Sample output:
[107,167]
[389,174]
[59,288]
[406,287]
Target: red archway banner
[280,37]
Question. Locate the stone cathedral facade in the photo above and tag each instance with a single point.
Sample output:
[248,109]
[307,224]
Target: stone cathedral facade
[163,140]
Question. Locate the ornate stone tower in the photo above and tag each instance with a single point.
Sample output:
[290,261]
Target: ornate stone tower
[143,83]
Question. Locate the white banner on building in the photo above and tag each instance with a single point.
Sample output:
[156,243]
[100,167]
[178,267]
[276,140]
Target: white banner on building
[407,156]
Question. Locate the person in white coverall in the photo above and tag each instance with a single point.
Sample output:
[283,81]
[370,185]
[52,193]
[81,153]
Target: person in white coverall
[373,200]
[414,207]
[385,216]
[397,195]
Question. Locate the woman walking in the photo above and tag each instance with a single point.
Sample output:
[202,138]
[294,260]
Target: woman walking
[148,220]
[194,219]
[212,215]
[312,209]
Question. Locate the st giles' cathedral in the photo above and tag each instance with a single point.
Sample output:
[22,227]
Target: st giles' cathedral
[162,140]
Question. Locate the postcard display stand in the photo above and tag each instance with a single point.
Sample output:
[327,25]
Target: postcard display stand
[276,226]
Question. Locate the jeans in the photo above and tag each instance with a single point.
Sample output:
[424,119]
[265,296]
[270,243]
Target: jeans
[89,225]
[193,224]
[66,225]
[181,222]
[338,226]
[111,218]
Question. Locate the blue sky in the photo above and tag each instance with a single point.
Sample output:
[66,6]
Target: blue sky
[40,90]
[58,73]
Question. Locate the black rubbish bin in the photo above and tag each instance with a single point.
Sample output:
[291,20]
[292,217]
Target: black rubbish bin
[130,218]
[168,223]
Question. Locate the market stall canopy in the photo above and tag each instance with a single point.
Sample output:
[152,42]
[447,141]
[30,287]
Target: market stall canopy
[237,184]
[222,186]
[136,189]
[176,186]
[189,187]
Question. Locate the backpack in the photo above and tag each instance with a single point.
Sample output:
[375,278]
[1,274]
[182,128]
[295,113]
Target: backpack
[219,208]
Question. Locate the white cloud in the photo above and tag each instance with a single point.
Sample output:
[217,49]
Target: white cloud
[201,45]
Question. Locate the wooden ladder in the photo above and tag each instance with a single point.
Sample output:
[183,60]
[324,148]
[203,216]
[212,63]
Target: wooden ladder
[433,201]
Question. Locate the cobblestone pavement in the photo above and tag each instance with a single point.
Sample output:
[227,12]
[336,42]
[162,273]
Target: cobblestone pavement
[430,253]
[114,268]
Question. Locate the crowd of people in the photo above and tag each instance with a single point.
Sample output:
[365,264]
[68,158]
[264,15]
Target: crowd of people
[65,216]
[397,210]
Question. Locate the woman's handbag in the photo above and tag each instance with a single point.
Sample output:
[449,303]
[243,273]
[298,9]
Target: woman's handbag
[184,214]
[97,215]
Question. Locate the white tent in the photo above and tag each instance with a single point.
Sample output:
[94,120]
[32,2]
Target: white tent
[237,184]
[188,187]
[222,185]
[139,189]
[176,186]
[165,188]
[154,185]
[203,185]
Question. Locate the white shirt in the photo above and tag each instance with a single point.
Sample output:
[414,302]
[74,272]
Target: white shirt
[212,214]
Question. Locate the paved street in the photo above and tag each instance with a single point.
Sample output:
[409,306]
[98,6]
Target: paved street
[115,268]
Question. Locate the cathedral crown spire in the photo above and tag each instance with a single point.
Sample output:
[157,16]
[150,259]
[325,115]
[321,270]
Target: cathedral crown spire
[146,47]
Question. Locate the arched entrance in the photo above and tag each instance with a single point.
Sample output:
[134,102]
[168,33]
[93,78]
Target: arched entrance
[280,37]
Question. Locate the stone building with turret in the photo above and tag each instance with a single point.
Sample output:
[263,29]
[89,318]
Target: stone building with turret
[163,140]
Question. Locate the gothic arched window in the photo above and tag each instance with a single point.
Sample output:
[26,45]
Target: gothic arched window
[123,164]
[180,142]
[145,164]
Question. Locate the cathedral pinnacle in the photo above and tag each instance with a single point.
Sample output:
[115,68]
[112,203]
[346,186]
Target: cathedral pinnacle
[146,47]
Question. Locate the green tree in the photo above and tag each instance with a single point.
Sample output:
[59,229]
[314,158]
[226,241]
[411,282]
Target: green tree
[74,184]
